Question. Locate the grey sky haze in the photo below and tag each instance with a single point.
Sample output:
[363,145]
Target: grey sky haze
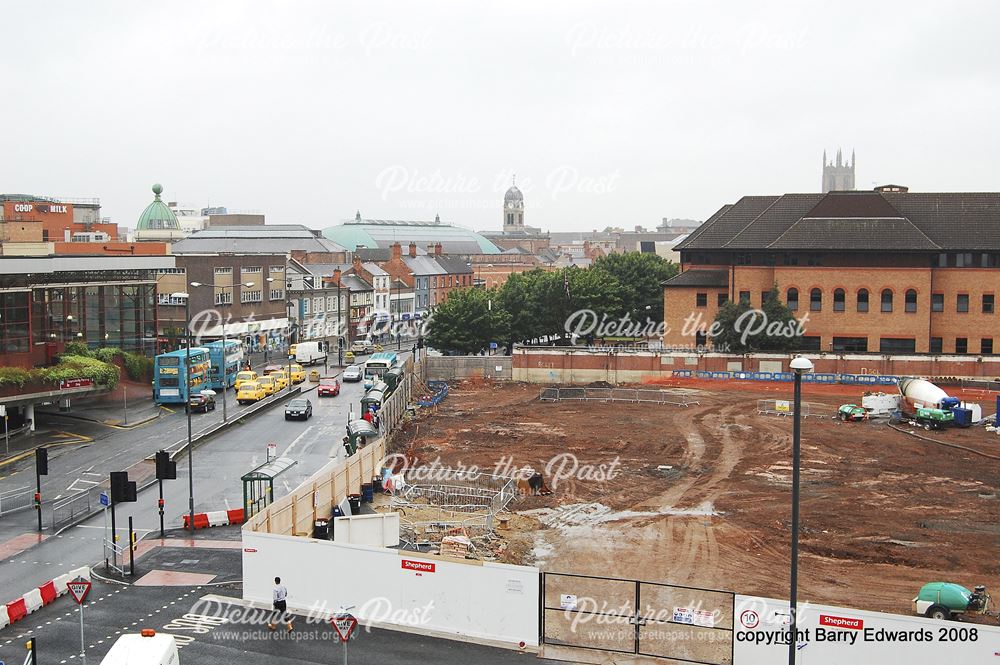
[611,113]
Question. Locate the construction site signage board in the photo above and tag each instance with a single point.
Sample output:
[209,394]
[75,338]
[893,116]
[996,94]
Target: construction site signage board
[782,405]
[78,589]
[835,635]
[419,566]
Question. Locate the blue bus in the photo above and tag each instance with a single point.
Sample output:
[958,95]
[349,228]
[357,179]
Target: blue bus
[170,375]
[377,365]
[220,379]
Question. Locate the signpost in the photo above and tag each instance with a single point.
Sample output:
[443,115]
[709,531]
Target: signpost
[6,433]
[344,624]
[79,588]
[272,452]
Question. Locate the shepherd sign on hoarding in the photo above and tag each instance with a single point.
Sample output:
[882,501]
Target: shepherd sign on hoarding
[835,635]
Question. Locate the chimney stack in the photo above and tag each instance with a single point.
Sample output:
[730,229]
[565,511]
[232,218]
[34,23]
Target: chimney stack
[357,265]
[332,280]
[437,249]
[397,251]
[413,250]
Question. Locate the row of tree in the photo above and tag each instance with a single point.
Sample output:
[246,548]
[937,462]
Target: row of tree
[537,304]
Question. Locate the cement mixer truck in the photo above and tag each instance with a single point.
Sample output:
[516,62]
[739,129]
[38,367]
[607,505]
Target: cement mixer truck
[930,406]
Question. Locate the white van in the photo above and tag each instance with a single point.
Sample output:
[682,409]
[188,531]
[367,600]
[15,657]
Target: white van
[309,353]
[147,648]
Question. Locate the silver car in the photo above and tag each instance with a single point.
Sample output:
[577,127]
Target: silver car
[352,373]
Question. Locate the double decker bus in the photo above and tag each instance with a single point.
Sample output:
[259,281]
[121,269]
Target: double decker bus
[221,377]
[170,375]
[377,365]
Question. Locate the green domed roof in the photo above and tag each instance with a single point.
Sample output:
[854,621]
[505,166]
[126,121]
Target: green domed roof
[157,216]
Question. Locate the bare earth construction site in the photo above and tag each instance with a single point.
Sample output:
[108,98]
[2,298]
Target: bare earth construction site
[700,495]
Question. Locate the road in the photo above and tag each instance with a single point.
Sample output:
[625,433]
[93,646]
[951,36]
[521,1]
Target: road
[219,463]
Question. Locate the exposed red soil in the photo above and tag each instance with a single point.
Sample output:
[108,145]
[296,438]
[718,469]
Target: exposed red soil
[882,512]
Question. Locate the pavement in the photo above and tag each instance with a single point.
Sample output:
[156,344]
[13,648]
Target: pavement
[210,622]
[82,453]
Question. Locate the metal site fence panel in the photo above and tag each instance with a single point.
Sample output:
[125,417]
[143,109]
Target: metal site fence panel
[680,623]
[449,368]
[630,395]
[18,499]
[778,407]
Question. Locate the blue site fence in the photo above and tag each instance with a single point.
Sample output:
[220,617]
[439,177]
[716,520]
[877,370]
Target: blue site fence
[440,391]
[818,377]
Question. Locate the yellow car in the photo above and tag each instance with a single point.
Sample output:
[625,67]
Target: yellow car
[250,391]
[280,379]
[291,350]
[268,384]
[298,374]
[244,377]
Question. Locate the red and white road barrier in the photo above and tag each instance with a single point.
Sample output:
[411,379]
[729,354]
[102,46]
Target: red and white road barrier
[40,597]
[215,518]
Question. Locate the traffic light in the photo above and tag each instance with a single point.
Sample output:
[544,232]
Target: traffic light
[165,469]
[41,461]
[340,342]
[122,491]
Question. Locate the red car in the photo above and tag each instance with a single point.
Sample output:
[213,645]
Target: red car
[328,388]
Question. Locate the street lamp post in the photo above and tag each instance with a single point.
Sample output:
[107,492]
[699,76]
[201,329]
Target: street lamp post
[225,353]
[800,366]
[187,378]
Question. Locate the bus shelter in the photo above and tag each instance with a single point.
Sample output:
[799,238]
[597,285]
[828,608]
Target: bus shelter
[258,485]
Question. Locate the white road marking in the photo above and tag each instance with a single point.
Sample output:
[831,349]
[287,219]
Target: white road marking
[295,442]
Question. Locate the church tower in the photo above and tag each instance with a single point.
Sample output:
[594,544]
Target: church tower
[513,210]
[838,177]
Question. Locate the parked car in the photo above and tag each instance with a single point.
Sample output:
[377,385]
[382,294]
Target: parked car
[352,373]
[268,384]
[280,379]
[299,408]
[249,392]
[271,369]
[244,377]
[298,374]
[328,388]
[202,402]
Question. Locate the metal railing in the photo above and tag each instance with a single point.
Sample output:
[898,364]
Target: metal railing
[17,499]
[67,509]
[631,395]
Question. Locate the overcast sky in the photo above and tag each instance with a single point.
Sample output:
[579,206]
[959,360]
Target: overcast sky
[610,113]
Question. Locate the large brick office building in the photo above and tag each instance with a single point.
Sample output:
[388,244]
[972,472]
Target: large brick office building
[884,271]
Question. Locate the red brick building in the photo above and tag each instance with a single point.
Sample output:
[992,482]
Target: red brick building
[885,271]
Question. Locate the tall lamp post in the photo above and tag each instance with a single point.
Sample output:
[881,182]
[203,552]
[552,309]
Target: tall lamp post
[800,366]
[288,313]
[225,353]
[187,377]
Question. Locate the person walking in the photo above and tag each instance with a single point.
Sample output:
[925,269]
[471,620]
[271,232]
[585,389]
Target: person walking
[280,603]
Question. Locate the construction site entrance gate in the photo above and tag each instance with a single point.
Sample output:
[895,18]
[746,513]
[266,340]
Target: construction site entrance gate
[681,623]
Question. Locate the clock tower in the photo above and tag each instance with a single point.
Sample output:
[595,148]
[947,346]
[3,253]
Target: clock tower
[513,210]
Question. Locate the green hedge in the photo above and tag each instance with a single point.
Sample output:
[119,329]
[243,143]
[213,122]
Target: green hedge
[79,362]
[104,374]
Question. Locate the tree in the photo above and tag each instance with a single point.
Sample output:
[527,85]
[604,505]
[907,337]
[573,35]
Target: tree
[740,328]
[641,276]
[468,321]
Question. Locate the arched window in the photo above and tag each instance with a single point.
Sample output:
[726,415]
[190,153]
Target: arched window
[838,300]
[886,300]
[863,300]
[792,299]
[815,300]
[911,301]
